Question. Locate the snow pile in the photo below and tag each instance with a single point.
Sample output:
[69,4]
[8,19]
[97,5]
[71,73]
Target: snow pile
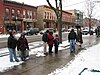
[83,64]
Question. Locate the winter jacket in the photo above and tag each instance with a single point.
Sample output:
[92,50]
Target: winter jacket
[50,39]
[56,41]
[22,44]
[72,36]
[12,42]
[79,37]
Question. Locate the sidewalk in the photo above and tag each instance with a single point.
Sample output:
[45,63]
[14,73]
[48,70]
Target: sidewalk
[5,51]
[85,63]
[36,49]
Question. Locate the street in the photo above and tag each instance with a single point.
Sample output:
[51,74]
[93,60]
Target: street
[32,38]
[45,65]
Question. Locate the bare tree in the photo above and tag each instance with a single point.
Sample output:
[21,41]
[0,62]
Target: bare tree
[90,5]
[58,11]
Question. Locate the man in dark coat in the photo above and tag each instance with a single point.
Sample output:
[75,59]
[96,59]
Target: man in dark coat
[71,39]
[12,43]
[45,40]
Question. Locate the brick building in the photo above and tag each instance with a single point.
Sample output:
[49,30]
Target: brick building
[86,22]
[46,17]
[17,16]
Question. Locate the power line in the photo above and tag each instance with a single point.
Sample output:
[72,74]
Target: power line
[75,4]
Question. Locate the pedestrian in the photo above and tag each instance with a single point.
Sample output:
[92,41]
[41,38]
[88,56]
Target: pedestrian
[71,39]
[79,37]
[45,40]
[12,43]
[97,31]
[50,41]
[22,46]
[56,43]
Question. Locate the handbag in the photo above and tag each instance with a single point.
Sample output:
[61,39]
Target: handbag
[18,53]
[27,53]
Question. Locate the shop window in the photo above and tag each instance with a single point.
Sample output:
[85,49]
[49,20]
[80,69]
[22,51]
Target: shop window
[18,13]
[13,13]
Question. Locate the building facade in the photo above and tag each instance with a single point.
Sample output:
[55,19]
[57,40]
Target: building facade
[16,16]
[77,17]
[19,16]
[46,17]
[94,22]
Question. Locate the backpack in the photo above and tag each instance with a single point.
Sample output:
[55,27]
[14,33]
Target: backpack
[45,37]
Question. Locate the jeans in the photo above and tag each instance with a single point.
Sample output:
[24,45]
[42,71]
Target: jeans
[23,55]
[72,45]
[12,53]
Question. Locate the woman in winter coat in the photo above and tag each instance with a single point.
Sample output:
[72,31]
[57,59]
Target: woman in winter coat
[50,41]
[79,37]
[22,45]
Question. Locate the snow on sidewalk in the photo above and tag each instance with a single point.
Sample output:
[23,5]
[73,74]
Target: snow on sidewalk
[87,62]
[5,64]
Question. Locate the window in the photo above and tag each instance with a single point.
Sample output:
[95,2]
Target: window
[18,13]
[34,14]
[30,14]
[50,15]
[24,14]
[13,12]
[7,12]
[45,15]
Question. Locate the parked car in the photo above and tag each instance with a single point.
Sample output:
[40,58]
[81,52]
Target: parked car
[43,31]
[31,31]
[85,32]
[71,29]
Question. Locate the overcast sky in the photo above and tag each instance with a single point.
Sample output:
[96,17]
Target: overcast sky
[67,4]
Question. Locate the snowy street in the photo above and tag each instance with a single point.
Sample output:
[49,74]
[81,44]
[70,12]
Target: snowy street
[84,63]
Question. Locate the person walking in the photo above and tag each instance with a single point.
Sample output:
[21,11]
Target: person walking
[45,40]
[71,39]
[79,37]
[22,45]
[12,43]
[50,41]
[97,30]
[56,43]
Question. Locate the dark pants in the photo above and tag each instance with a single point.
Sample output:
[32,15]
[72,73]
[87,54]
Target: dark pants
[23,55]
[50,48]
[56,48]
